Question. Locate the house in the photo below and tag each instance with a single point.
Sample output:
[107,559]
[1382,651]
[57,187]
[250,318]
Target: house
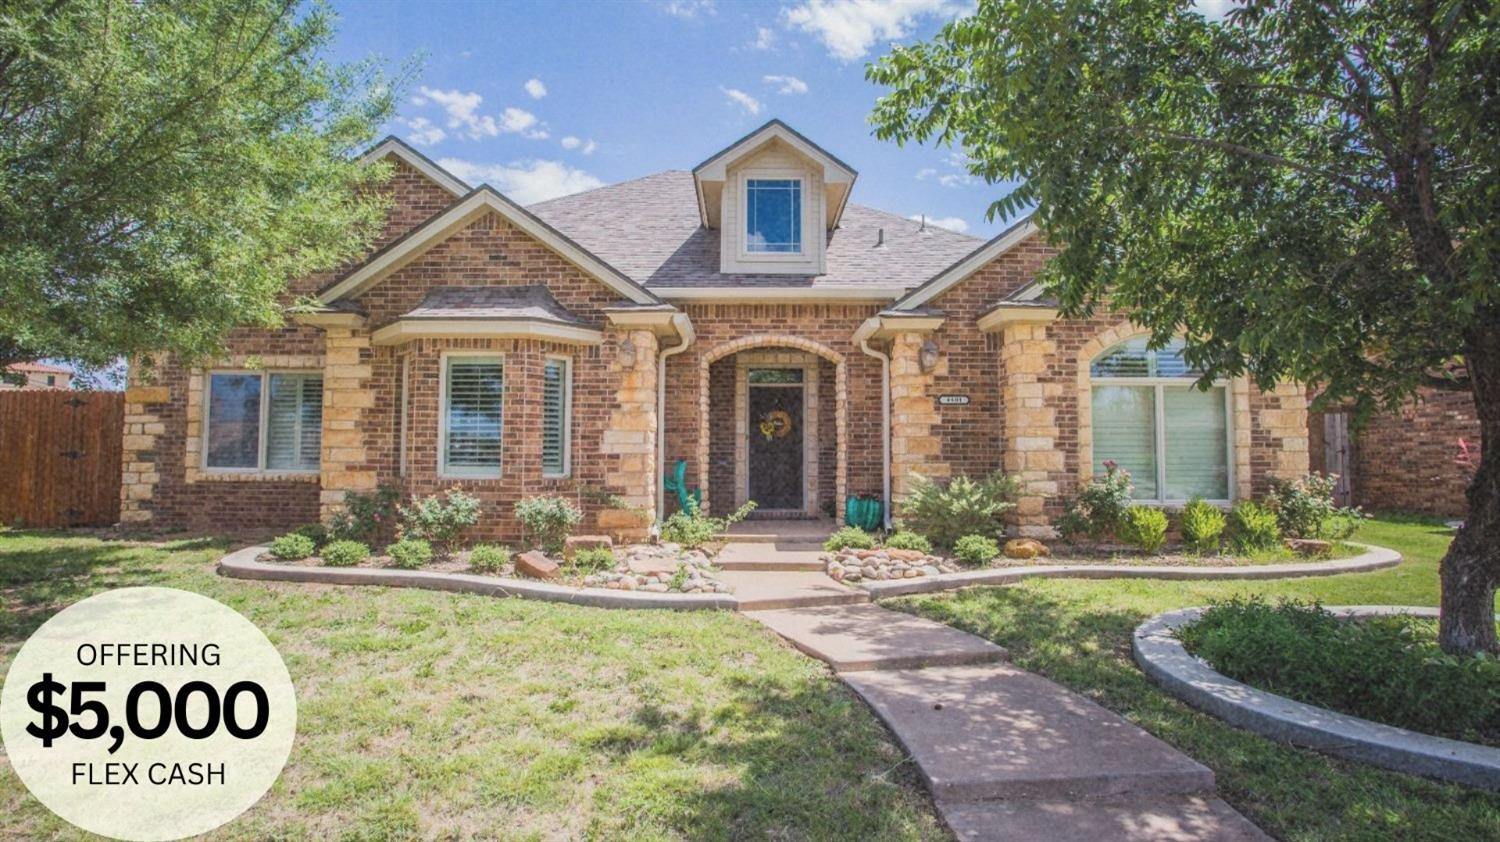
[37,375]
[745,316]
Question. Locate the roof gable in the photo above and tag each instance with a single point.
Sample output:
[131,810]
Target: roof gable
[968,265]
[393,145]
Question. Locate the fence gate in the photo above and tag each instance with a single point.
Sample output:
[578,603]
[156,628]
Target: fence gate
[60,457]
[1338,456]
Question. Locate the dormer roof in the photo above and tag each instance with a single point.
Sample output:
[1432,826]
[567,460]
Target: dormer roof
[709,176]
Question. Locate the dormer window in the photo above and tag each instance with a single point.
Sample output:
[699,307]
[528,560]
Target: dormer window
[773,215]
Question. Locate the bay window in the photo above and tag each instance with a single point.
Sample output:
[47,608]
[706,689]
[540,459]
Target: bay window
[472,425]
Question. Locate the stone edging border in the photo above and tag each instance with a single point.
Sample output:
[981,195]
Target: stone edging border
[1162,657]
[1374,558]
[243,564]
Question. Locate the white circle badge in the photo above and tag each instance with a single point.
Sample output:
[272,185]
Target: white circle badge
[148,714]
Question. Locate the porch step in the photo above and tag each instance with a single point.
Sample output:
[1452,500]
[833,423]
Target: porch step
[798,534]
[767,557]
[765,591]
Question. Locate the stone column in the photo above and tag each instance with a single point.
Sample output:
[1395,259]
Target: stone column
[1286,426]
[139,474]
[348,397]
[914,447]
[630,436]
[1030,438]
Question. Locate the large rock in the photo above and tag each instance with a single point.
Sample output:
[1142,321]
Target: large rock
[1309,546]
[906,555]
[537,566]
[574,543]
[1025,548]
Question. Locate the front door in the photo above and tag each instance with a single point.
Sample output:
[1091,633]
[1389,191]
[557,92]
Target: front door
[776,438]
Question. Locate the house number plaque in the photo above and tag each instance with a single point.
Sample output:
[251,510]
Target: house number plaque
[953,400]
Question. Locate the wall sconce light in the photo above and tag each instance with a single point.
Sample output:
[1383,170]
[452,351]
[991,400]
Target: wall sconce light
[928,357]
[625,354]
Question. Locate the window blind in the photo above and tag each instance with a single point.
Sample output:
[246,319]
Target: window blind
[294,422]
[473,421]
[1124,420]
[1197,450]
[555,419]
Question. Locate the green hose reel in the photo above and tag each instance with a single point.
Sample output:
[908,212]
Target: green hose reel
[864,512]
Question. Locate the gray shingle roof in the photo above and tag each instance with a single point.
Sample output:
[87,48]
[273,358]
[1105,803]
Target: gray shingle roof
[528,302]
[649,229]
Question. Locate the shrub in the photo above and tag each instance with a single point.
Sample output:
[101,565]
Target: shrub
[1253,528]
[849,537]
[1202,526]
[439,520]
[315,532]
[345,553]
[488,558]
[591,560]
[293,547]
[1144,528]
[976,549]
[547,521]
[692,529]
[409,553]
[1304,508]
[366,517]
[1388,669]
[962,506]
[904,540]
[1099,509]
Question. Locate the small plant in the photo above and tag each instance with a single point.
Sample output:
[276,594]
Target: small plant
[1305,508]
[489,558]
[962,506]
[1202,526]
[849,537]
[366,517]
[293,547]
[316,532]
[345,553]
[1098,511]
[439,520]
[1253,528]
[692,529]
[679,579]
[409,553]
[1144,528]
[904,540]
[592,560]
[547,521]
[976,549]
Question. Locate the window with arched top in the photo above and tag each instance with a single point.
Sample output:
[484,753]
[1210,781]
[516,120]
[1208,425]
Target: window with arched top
[1150,419]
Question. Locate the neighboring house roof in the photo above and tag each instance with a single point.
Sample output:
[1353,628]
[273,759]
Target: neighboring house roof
[38,368]
[967,265]
[528,302]
[649,229]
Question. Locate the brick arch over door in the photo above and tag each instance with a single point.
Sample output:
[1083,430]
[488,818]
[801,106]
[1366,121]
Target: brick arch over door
[841,404]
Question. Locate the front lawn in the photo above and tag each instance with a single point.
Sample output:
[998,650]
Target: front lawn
[432,715]
[1078,632]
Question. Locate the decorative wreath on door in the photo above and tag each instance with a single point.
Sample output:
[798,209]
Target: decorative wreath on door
[776,424]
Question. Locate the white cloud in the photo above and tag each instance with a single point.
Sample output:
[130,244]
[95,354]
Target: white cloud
[849,28]
[423,132]
[525,182]
[571,142]
[462,109]
[687,9]
[744,100]
[952,223]
[925,173]
[522,122]
[536,88]
[1216,9]
[765,38]
[786,84]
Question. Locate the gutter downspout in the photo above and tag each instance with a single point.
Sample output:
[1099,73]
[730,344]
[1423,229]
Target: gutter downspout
[684,327]
[862,336]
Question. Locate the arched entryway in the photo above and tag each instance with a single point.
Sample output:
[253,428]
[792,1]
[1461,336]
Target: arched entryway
[767,404]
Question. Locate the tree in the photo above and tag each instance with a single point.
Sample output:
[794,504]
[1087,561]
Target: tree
[167,167]
[1306,190]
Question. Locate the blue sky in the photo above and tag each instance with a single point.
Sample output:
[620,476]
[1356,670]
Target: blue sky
[542,99]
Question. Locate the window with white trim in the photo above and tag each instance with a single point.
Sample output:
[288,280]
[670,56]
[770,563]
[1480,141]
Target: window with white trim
[1149,418]
[473,416]
[557,416]
[263,421]
[773,215]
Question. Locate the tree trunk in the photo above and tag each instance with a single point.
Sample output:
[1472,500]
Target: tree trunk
[1470,571]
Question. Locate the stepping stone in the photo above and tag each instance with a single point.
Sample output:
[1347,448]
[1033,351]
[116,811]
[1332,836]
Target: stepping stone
[868,637]
[766,591]
[1171,818]
[995,732]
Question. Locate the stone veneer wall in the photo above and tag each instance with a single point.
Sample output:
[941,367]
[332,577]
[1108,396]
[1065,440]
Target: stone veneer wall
[916,443]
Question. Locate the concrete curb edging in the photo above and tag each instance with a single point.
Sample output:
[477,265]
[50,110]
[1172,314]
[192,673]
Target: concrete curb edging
[1166,661]
[1374,558]
[242,564]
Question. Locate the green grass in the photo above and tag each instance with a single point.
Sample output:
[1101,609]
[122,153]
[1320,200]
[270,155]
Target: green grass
[1078,633]
[430,715]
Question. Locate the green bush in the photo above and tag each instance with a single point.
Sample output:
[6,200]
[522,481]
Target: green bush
[904,540]
[409,553]
[1144,528]
[315,532]
[439,520]
[1304,508]
[547,521]
[692,529]
[1098,511]
[1253,528]
[1388,669]
[488,558]
[345,553]
[849,537]
[293,547]
[366,517]
[591,560]
[976,549]
[945,512]
[1202,526]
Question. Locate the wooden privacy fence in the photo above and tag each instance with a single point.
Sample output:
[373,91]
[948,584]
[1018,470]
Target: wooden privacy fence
[60,458]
